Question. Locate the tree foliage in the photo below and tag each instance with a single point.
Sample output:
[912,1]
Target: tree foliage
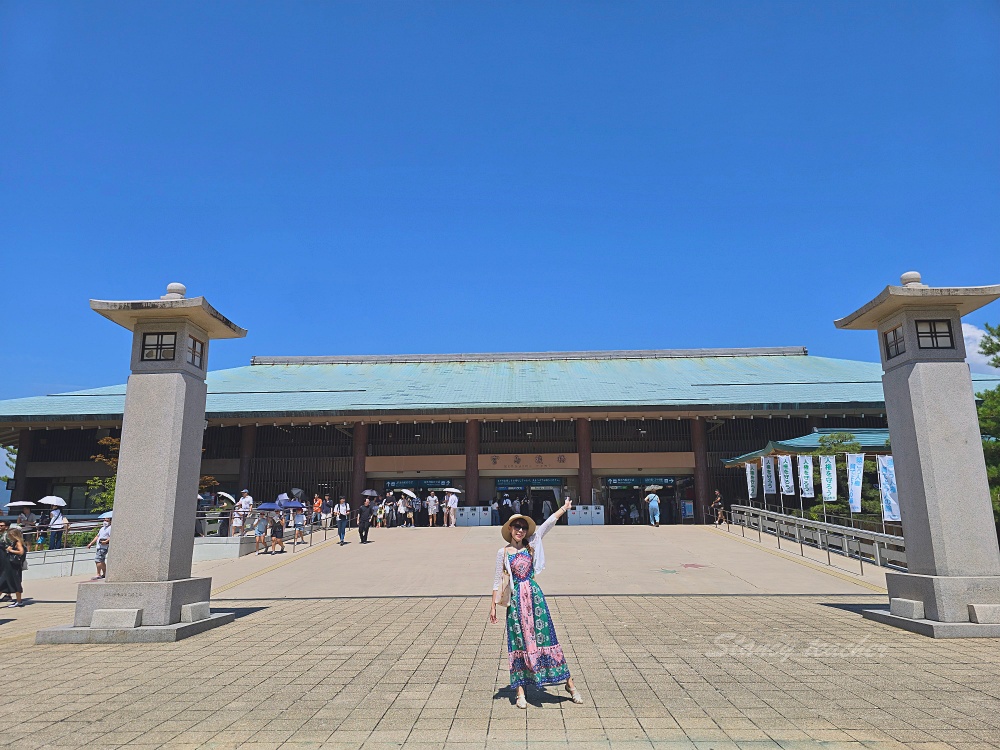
[989,418]
[101,490]
[10,458]
[837,444]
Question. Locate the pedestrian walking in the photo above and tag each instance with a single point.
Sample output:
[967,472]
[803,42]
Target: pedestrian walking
[28,522]
[365,519]
[452,501]
[505,509]
[277,526]
[241,512]
[432,509]
[342,512]
[260,536]
[12,567]
[718,509]
[326,511]
[58,523]
[653,501]
[533,651]
[516,505]
[495,513]
[546,508]
[103,542]
[317,514]
[299,519]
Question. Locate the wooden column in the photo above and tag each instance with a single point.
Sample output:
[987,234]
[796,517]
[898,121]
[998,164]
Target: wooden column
[248,446]
[471,496]
[583,450]
[25,443]
[360,453]
[699,444]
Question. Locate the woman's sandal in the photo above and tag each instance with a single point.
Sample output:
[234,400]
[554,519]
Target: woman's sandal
[521,702]
[574,695]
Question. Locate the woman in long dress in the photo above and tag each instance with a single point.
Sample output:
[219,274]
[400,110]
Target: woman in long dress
[534,653]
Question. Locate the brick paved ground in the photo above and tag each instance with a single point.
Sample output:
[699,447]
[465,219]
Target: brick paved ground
[671,670]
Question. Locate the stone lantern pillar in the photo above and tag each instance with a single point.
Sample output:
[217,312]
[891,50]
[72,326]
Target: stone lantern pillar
[149,594]
[952,586]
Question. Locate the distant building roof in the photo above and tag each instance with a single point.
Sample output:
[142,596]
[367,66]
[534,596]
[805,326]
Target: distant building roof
[869,438]
[733,380]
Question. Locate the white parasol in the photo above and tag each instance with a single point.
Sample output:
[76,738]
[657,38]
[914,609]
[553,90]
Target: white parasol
[226,495]
[453,489]
[369,493]
[408,493]
[653,488]
[19,504]
[53,500]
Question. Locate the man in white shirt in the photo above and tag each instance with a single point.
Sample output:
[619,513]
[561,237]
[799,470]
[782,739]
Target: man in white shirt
[243,507]
[342,512]
[432,509]
[103,542]
[452,501]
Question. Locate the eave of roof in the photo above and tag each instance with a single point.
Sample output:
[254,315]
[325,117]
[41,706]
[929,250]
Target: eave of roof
[873,439]
[549,383]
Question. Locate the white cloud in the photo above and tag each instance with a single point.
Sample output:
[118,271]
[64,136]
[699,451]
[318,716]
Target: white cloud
[977,362]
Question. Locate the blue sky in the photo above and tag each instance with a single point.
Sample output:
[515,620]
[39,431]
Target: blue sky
[380,177]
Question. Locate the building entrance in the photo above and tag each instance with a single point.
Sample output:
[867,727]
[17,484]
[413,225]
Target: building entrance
[537,497]
[624,499]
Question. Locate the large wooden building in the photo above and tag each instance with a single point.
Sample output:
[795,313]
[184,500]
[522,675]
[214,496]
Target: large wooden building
[593,425]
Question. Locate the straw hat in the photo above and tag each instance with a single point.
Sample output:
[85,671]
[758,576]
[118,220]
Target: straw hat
[505,530]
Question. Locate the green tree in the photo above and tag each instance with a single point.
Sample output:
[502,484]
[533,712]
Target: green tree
[101,490]
[10,458]
[837,444]
[989,418]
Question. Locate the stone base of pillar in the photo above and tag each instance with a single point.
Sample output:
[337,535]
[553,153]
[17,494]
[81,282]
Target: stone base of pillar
[933,628]
[942,606]
[138,612]
[141,634]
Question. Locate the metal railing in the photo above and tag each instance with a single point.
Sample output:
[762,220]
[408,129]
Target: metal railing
[872,547]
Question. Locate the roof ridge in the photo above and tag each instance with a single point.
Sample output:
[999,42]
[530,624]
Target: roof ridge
[773,351]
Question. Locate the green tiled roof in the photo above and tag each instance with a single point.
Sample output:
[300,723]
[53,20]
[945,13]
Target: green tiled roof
[869,438]
[709,379]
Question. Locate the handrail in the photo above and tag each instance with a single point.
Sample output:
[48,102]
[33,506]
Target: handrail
[873,547]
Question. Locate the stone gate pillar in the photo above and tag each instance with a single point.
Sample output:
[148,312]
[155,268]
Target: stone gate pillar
[149,594]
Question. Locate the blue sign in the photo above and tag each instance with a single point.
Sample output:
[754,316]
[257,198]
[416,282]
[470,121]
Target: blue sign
[414,484]
[524,483]
[614,482]
[687,509]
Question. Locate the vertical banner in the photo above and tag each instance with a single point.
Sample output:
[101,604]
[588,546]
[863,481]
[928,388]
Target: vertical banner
[828,478]
[855,470]
[785,475]
[751,481]
[806,477]
[767,466]
[887,488]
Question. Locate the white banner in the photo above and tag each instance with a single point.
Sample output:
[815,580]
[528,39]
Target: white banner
[767,466]
[806,476]
[828,478]
[887,488]
[855,471]
[785,475]
[751,481]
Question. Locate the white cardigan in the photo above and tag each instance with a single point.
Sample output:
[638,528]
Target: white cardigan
[538,559]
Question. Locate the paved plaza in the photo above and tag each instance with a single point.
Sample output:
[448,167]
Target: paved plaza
[677,637]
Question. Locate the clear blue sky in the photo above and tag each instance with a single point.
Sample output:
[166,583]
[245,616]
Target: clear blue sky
[380,177]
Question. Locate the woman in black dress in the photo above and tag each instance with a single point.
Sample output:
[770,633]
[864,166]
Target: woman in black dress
[11,566]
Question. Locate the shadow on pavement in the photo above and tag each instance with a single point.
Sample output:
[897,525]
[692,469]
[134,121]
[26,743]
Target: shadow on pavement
[240,612]
[855,608]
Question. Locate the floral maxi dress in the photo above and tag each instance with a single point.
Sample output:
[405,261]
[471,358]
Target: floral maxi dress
[534,652]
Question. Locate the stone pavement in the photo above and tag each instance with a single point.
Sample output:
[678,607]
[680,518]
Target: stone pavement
[387,646]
